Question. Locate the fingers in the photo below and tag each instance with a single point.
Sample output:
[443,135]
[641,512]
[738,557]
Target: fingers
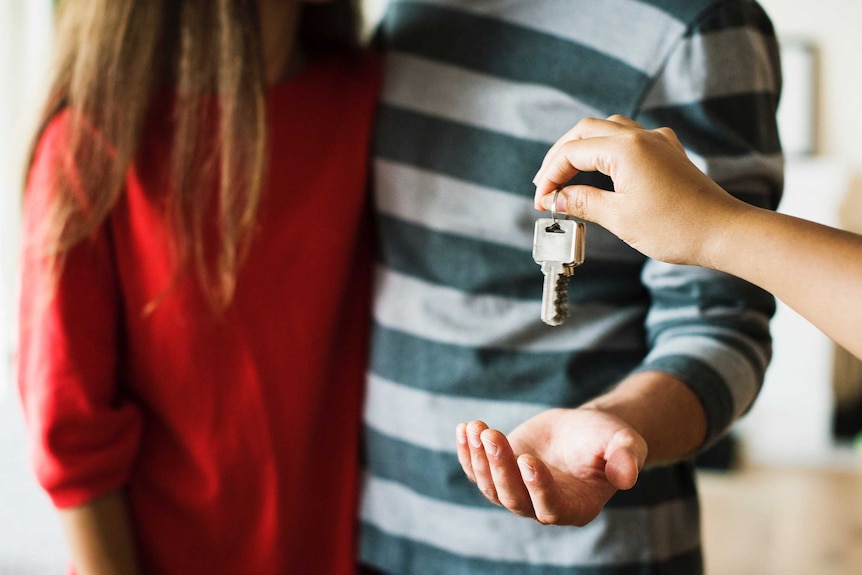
[550,507]
[594,145]
[624,121]
[585,202]
[488,460]
[587,128]
[474,461]
[594,154]
[671,137]
[505,474]
[464,457]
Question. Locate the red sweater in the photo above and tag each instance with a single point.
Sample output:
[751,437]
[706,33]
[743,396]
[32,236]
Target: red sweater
[235,437]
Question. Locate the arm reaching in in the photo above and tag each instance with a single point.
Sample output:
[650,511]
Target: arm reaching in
[669,210]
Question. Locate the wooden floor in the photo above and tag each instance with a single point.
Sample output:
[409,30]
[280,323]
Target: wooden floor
[775,521]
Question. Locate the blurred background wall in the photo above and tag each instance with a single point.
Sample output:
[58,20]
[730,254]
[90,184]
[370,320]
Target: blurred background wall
[832,26]
[30,541]
[813,388]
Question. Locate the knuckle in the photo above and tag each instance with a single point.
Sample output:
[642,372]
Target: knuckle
[517,507]
[490,493]
[548,518]
[639,138]
[586,123]
[578,204]
[667,132]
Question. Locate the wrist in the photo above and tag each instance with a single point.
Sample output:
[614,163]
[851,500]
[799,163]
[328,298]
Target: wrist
[661,409]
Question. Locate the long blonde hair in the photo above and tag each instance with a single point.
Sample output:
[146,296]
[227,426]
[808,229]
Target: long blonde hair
[111,57]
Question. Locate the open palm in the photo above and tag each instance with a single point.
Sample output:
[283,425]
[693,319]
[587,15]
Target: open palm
[560,467]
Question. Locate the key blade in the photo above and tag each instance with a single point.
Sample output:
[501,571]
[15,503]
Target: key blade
[554,310]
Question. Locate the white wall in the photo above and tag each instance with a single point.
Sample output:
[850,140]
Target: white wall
[833,25]
[25,36]
[791,422]
[30,540]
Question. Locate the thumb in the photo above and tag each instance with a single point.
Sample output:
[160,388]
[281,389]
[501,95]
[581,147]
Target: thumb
[585,202]
[624,458]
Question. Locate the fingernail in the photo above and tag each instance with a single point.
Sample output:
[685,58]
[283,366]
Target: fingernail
[536,177]
[561,202]
[491,448]
[473,438]
[460,434]
[527,471]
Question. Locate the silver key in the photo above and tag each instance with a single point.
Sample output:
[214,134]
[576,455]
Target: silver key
[558,246]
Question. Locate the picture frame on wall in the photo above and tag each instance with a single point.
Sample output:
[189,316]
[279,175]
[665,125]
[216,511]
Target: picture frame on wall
[797,109]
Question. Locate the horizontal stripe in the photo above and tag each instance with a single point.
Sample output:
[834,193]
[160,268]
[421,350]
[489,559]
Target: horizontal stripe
[638,34]
[528,111]
[742,330]
[724,15]
[470,266]
[477,267]
[757,349]
[660,275]
[434,474]
[428,420]
[505,163]
[676,286]
[757,179]
[688,11]
[731,366]
[475,43]
[438,475]
[496,534]
[660,318]
[706,384]
[727,126]
[686,78]
[391,554]
[563,377]
[447,315]
[453,206]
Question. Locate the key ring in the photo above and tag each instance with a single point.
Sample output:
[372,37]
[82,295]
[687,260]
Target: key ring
[555,227]
[554,206]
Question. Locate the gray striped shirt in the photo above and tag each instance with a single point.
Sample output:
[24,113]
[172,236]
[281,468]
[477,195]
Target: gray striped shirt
[475,92]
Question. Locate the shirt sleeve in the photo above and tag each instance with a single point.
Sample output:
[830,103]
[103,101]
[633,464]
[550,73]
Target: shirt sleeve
[718,90]
[83,431]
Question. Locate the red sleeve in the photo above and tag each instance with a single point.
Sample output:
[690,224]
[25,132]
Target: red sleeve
[84,434]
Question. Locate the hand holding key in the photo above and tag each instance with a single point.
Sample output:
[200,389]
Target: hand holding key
[663,205]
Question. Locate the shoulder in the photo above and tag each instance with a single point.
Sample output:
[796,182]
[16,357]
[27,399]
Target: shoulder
[50,147]
[361,69]
[349,81]
[60,132]
[51,137]
[713,15]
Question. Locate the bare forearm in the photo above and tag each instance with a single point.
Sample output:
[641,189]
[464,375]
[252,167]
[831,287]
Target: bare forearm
[662,409]
[99,534]
[814,269]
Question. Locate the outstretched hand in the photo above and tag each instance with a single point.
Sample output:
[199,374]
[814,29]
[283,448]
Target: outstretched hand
[560,467]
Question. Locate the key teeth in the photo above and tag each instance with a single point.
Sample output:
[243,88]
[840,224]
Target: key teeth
[561,299]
